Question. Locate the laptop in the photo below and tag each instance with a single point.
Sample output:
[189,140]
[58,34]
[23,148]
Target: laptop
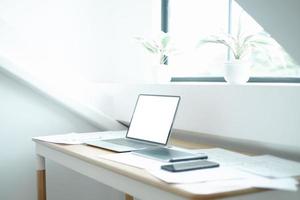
[150,125]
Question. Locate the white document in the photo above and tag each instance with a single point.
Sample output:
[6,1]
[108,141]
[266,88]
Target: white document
[153,167]
[212,187]
[200,175]
[223,157]
[80,138]
[271,166]
[133,160]
[289,184]
[207,181]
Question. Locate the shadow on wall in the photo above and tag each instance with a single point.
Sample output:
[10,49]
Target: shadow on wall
[25,114]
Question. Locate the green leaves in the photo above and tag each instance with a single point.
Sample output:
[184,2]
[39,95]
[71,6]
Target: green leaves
[161,46]
[150,47]
[165,40]
[227,40]
[240,45]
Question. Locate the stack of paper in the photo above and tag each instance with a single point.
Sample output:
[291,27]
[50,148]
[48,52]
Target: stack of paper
[211,187]
[80,138]
[271,166]
[200,175]
[223,156]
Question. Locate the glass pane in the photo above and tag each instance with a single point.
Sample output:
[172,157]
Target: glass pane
[191,20]
[273,60]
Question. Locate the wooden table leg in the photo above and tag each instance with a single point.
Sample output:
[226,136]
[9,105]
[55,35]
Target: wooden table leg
[128,197]
[41,178]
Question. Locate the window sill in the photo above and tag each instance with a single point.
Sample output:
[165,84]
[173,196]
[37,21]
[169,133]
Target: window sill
[268,80]
[223,84]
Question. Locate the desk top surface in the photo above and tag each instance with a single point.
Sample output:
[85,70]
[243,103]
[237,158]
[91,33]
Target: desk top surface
[91,155]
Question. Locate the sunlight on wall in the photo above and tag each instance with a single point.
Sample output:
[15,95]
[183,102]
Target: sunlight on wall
[278,62]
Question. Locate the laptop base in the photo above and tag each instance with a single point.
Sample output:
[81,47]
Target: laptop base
[169,155]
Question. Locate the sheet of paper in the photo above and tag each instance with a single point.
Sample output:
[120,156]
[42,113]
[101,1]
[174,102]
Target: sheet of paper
[201,175]
[133,160]
[289,184]
[212,187]
[206,181]
[153,167]
[223,157]
[80,138]
[271,166]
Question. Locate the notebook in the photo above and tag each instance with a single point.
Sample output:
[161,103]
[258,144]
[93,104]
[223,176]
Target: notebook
[150,125]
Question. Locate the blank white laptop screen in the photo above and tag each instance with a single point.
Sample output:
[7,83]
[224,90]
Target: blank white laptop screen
[153,118]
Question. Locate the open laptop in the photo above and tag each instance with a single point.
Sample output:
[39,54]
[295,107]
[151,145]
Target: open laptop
[150,125]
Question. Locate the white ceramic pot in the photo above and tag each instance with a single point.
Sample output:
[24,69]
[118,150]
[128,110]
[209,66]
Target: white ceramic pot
[237,72]
[162,74]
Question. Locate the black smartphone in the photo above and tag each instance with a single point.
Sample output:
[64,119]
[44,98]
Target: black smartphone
[190,165]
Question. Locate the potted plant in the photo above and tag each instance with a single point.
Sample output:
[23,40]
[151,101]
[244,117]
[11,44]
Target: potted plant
[160,48]
[242,47]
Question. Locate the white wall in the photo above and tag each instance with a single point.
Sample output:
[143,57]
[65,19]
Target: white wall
[60,41]
[24,114]
[63,43]
[262,113]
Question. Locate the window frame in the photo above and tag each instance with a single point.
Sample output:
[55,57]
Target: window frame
[165,10]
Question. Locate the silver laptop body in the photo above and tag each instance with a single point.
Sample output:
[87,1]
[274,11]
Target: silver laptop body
[150,125]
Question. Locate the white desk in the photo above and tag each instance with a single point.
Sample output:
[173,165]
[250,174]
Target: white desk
[130,180]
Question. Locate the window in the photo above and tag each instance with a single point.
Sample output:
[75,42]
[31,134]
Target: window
[191,20]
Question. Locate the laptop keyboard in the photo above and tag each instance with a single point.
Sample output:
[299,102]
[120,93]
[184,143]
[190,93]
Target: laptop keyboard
[129,143]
